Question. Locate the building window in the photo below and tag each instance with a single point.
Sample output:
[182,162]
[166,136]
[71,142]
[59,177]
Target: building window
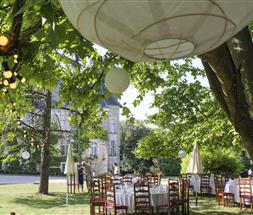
[62,166]
[112,148]
[94,148]
[63,150]
[113,126]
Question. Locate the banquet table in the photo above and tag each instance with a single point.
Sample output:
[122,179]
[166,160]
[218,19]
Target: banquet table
[195,182]
[125,196]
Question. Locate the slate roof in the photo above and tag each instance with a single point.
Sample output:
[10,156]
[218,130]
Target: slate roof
[110,101]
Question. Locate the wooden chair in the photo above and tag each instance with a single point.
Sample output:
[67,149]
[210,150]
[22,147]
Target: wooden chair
[245,192]
[97,198]
[183,176]
[222,197]
[117,179]
[218,189]
[173,196]
[127,179]
[183,200]
[110,203]
[205,183]
[142,202]
[71,184]
[187,176]
[105,181]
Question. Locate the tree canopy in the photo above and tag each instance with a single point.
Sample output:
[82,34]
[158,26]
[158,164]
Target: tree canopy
[187,114]
[52,53]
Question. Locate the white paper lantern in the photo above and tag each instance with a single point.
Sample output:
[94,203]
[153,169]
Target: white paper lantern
[182,154]
[117,80]
[25,155]
[149,30]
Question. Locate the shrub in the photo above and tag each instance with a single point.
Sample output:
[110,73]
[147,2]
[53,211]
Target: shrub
[217,161]
[170,166]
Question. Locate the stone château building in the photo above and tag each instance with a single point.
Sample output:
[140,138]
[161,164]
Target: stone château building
[105,152]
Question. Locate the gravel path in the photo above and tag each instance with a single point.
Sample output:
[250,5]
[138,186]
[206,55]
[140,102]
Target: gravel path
[27,179]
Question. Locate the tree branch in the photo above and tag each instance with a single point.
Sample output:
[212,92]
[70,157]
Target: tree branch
[27,33]
[29,126]
[16,24]
[70,110]
[62,131]
[32,92]
[33,113]
[6,7]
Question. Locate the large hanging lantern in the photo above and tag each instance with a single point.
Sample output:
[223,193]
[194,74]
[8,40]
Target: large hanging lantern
[117,80]
[182,154]
[149,30]
[25,155]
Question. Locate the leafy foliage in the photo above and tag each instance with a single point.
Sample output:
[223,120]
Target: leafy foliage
[130,135]
[170,166]
[217,161]
[187,114]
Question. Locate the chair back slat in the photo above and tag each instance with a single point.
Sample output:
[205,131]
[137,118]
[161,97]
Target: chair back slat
[110,194]
[116,179]
[205,180]
[127,179]
[205,183]
[184,189]
[173,189]
[245,186]
[141,194]
[96,188]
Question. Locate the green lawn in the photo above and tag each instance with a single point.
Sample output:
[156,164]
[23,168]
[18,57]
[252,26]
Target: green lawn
[209,206]
[24,200]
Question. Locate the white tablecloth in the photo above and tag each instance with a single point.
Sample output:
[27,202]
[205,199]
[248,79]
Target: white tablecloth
[125,196]
[195,182]
[232,187]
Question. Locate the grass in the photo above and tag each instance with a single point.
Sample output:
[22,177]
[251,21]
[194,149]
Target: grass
[24,200]
[209,206]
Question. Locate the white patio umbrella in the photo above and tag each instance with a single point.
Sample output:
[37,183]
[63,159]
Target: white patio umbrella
[70,165]
[70,169]
[195,167]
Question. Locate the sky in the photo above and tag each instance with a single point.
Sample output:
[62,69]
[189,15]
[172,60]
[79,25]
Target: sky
[143,110]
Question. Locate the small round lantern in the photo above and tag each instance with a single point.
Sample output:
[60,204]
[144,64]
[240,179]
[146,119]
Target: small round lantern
[117,80]
[3,40]
[25,155]
[158,30]
[182,154]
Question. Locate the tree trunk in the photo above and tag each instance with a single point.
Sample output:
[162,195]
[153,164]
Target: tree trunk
[44,168]
[229,71]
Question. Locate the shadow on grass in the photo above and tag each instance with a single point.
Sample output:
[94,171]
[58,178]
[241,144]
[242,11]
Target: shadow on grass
[52,200]
[214,212]
[208,205]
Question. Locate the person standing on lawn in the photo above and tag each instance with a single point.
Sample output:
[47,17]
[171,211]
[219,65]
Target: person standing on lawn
[80,171]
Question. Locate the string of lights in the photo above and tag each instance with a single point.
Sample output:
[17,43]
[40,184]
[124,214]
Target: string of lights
[10,76]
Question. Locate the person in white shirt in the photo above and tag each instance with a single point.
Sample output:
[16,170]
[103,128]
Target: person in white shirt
[115,169]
